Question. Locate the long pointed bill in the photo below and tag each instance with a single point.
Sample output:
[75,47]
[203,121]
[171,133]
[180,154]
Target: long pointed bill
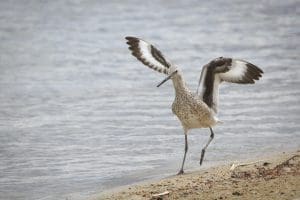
[170,76]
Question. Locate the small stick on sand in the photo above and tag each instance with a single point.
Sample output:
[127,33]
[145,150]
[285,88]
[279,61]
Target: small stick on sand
[233,166]
[158,196]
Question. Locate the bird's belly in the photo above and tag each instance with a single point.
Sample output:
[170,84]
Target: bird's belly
[194,121]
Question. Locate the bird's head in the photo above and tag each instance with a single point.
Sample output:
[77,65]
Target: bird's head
[172,72]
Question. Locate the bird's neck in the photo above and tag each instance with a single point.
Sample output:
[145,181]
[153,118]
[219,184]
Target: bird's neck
[179,84]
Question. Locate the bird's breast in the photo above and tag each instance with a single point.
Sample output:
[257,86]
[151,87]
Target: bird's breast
[192,113]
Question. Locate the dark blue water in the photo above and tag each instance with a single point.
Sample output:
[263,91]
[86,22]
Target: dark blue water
[79,115]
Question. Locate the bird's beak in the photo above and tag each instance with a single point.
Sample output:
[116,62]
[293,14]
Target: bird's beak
[170,76]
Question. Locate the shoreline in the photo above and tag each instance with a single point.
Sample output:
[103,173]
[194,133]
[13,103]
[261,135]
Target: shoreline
[275,176]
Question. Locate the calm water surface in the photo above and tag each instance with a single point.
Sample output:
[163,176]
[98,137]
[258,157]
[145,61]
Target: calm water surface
[79,115]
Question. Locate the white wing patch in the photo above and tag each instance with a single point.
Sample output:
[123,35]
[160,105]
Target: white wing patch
[216,94]
[201,81]
[145,49]
[236,72]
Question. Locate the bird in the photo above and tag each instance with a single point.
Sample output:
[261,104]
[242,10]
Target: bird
[199,109]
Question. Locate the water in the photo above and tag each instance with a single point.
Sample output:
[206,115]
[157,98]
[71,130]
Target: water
[79,115]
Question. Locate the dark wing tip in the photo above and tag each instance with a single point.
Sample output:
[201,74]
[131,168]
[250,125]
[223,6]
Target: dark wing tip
[133,43]
[254,67]
[130,38]
[253,72]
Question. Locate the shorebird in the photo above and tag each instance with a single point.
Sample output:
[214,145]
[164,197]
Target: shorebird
[195,110]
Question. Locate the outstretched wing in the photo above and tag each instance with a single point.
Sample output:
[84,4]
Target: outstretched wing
[148,54]
[225,69]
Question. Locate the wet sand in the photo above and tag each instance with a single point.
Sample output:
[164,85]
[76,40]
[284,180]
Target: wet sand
[273,177]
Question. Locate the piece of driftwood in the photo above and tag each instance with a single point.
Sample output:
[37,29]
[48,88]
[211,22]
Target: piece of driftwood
[289,166]
[160,195]
[235,165]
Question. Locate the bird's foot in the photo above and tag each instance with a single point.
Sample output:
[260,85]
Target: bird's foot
[180,172]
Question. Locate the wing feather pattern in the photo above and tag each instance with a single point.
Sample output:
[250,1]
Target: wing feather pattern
[225,69]
[148,54]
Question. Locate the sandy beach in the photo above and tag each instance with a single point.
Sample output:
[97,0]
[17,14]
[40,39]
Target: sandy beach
[273,177]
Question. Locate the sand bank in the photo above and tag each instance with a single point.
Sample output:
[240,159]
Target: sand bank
[274,177]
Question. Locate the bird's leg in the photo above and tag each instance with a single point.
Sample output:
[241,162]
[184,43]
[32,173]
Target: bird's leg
[203,150]
[185,150]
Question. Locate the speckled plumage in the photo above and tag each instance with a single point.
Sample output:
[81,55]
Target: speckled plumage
[189,108]
[197,110]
